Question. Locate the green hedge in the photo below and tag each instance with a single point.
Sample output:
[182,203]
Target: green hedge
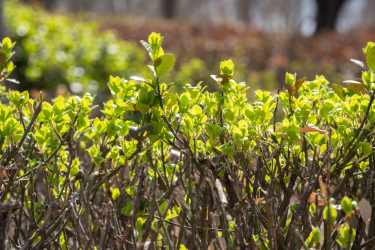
[199,170]
[55,49]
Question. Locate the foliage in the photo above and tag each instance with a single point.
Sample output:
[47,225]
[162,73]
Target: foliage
[211,164]
[81,58]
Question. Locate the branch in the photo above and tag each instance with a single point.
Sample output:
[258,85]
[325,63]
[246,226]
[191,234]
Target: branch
[42,230]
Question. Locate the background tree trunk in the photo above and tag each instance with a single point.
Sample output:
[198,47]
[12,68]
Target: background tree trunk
[243,10]
[328,11]
[168,8]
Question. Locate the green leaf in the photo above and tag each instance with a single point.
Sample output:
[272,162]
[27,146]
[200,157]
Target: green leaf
[7,46]
[115,152]
[316,235]
[10,67]
[369,45]
[136,116]
[143,96]
[312,208]
[98,160]
[196,110]
[157,52]
[286,180]
[227,150]
[175,109]
[229,116]
[99,126]
[17,137]
[114,84]
[163,64]
[40,137]
[185,99]
[338,89]
[83,123]
[150,97]
[163,206]
[343,238]
[346,205]
[143,108]
[112,128]
[128,209]
[366,148]
[171,168]
[217,130]
[171,100]
[370,58]
[333,214]
[130,190]
[154,39]
[115,193]
[213,131]
[139,224]
[227,67]
[74,171]
[250,113]
[290,79]
[58,108]
[157,111]
[128,147]
[158,127]
[268,179]
[363,165]
[123,127]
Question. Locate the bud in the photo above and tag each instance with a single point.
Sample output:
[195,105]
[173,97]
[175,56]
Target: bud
[346,205]
[41,97]
[155,39]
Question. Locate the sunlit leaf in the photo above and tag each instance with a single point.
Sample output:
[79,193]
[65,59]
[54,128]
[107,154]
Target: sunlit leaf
[370,58]
[163,64]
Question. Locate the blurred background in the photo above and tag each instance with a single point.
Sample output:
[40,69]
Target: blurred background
[74,45]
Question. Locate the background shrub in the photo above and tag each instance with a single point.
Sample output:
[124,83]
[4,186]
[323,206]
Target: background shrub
[50,52]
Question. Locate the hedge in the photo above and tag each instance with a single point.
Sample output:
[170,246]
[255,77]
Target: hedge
[198,170]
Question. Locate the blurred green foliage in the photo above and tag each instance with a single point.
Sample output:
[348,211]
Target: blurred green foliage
[55,49]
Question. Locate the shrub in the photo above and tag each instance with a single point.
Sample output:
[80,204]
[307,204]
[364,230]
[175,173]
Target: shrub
[197,170]
[81,58]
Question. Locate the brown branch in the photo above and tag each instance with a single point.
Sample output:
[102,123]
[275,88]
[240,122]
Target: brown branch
[42,230]
[6,212]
